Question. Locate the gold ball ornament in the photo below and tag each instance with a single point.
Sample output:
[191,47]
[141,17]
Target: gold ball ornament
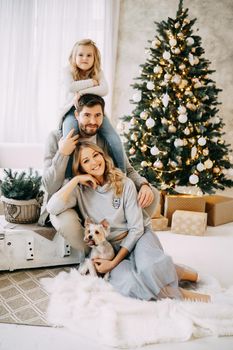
[205,152]
[216,170]
[144,148]
[144,164]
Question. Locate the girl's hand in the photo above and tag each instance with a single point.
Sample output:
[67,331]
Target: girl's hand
[88,180]
[102,265]
[95,82]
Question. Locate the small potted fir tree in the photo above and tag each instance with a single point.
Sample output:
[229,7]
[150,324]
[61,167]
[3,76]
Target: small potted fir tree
[22,196]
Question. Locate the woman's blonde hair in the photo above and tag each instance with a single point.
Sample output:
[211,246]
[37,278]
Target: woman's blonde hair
[112,175]
[94,71]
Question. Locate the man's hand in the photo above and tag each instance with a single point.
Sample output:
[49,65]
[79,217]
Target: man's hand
[102,265]
[67,145]
[145,196]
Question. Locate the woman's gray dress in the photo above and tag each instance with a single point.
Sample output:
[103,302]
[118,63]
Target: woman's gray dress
[147,273]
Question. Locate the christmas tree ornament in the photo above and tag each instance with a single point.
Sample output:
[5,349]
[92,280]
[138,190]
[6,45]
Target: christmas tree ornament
[144,164]
[191,106]
[187,131]
[137,96]
[192,140]
[150,85]
[205,152]
[155,103]
[183,84]
[134,137]
[132,150]
[172,42]
[185,142]
[182,66]
[155,43]
[144,148]
[215,139]
[165,99]
[158,164]
[190,41]
[167,76]
[144,115]
[177,51]
[173,164]
[201,141]
[177,25]
[166,55]
[164,121]
[216,120]
[171,128]
[208,164]
[193,179]
[158,69]
[133,121]
[186,21]
[150,123]
[193,152]
[200,167]
[180,36]
[193,60]
[176,79]
[183,118]
[216,170]
[154,151]
[182,110]
[178,143]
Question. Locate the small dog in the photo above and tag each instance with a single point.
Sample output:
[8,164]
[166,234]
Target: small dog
[95,237]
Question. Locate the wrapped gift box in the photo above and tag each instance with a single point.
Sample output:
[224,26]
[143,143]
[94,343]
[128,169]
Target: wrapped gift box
[182,202]
[157,212]
[219,210]
[189,222]
[160,223]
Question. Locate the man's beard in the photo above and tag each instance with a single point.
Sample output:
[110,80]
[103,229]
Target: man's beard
[85,131]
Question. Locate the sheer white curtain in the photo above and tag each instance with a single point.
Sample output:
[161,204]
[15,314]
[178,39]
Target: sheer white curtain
[36,38]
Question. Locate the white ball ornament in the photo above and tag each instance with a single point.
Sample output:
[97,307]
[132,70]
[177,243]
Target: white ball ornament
[144,115]
[164,121]
[186,131]
[172,42]
[176,79]
[137,96]
[193,179]
[150,123]
[200,167]
[182,110]
[144,164]
[155,43]
[189,41]
[158,164]
[182,66]
[208,164]
[183,118]
[173,164]
[167,76]
[134,137]
[177,51]
[158,69]
[166,55]
[177,25]
[150,85]
[201,141]
[154,151]
[178,143]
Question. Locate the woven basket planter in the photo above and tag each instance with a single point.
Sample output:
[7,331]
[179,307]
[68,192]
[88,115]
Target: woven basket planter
[21,211]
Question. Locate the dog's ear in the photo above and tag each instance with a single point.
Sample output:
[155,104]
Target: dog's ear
[105,224]
[88,221]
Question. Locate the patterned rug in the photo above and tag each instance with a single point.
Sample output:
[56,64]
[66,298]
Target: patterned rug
[22,298]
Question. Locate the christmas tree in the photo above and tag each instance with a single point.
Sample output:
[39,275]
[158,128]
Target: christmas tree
[174,135]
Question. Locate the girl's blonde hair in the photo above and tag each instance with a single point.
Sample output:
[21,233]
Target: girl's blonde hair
[112,175]
[94,71]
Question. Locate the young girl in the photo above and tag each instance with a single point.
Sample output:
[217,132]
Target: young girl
[140,269]
[84,76]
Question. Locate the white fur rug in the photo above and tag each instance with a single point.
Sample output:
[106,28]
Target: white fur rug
[90,307]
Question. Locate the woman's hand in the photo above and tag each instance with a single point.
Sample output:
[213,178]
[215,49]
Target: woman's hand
[95,82]
[103,266]
[145,196]
[88,180]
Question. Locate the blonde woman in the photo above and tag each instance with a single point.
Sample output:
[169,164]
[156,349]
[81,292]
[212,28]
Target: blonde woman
[140,269]
[85,76]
